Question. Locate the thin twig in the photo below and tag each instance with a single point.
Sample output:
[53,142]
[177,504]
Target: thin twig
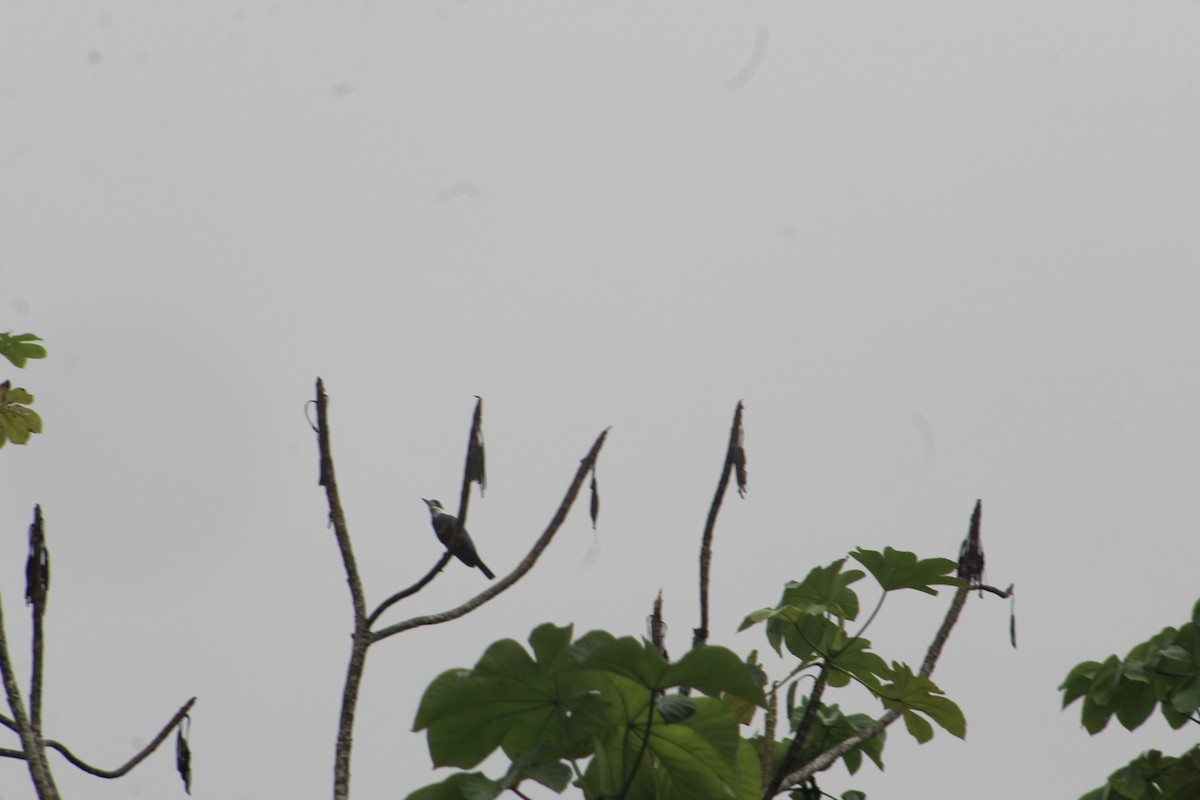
[43,782]
[846,745]
[416,587]
[141,755]
[526,564]
[700,635]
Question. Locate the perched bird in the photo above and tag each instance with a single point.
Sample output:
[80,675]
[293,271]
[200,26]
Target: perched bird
[444,526]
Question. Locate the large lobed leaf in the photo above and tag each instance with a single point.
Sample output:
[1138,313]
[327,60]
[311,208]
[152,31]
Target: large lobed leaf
[916,694]
[900,569]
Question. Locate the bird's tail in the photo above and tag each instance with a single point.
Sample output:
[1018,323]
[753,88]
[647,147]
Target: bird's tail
[491,576]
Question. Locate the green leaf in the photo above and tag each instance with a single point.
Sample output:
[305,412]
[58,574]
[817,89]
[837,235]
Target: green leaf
[854,794]
[17,422]
[716,671]
[857,660]
[807,635]
[551,773]
[698,757]
[916,693]
[900,569]
[675,708]
[825,590]
[1187,699]
[921,730]
[1176,653]
[461,786]
[744,708]
[508,700]
[1078,681]
[638,662]
[1135,703]
[550,643]
[19,348]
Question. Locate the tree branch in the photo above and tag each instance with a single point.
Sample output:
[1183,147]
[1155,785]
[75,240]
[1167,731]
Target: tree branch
[472,471]
[810,711]
[39,771]
[37,577]
[336,517]
[526,564]
[734,455]
[138,758]
[361,636]
[410,591]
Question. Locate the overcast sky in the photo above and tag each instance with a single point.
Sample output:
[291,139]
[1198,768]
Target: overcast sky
[943,251]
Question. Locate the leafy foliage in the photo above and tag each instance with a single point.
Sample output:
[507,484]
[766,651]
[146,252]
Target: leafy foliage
[1161,673]
[17,421]
[600,698]
[20,347]
[613,715]
[810,621]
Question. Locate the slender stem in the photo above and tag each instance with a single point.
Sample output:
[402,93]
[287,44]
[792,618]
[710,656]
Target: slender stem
[526,564]
[43,782]
[732,456]
[767,761]
[587,795]
[867,624]
[138,758]
[637,762]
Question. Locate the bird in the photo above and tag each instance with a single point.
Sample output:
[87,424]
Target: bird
[444,525]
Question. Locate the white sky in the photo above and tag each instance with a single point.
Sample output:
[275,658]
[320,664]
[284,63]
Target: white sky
[852,215]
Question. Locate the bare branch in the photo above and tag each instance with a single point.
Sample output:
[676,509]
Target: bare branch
[416,587]
[526,564]
[37,583]
[341,768]
[735,457]
[138,758]
[39,771]
[336,517]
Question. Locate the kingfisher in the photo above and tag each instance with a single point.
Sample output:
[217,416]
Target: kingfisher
[444,526]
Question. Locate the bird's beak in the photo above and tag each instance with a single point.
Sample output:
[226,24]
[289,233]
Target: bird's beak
[426,502]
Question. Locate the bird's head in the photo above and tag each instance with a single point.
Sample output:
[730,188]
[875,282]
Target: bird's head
[435,507]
